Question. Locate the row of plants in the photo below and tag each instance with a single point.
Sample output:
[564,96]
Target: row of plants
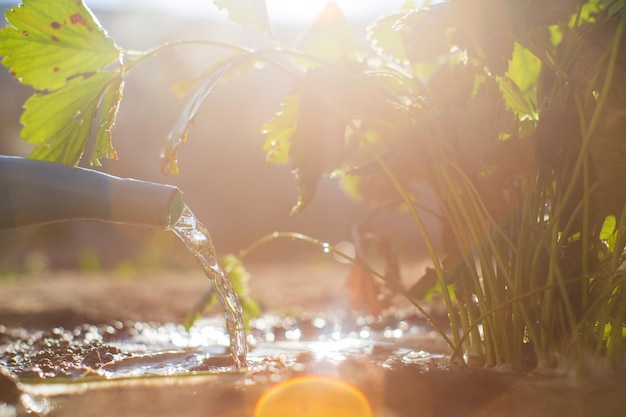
[512,112]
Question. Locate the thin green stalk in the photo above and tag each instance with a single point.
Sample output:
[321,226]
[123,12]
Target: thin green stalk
[517,299]
[521,270]
[132,59]
[565,232]
[418,221]
[495,329]
[615,341]
[585,238]
[461,226]
[597,113]
[485,216]
[566,303]
[547,306]
[327,248]
[476,347]
[489,276]
[421,226]
[480,206]
[613,311]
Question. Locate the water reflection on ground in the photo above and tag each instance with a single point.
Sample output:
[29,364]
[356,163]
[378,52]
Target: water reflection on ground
[132,349]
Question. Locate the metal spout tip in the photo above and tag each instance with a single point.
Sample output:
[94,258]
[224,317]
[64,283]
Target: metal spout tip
[177,208]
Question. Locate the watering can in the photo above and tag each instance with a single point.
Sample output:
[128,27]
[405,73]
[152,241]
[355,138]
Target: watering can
[37,192]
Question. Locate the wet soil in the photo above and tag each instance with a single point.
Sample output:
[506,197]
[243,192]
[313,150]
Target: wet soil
[103,345]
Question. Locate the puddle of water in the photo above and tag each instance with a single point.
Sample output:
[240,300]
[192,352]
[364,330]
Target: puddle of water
[198,241]
[67,364]
[136,349]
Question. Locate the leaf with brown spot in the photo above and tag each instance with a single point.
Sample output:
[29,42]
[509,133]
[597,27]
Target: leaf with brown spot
[49,41]
[60,122]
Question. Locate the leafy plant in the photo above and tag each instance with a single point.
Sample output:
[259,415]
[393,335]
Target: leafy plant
[60,50]
[512,112]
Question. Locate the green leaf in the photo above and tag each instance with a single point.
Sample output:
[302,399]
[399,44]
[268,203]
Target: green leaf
[515,99]
[608,227]
[317,145]
[587,14]
[49,41]
[590,9]
[386,38]
[416,35]
[331,37]
[480,123]
[240,278]
[315,125]
[426,35]
[178,134]
[524,69]
[519,83]
[251,14]
[389,39]
[109,106]
[60,122]
[280,129]
[428,287]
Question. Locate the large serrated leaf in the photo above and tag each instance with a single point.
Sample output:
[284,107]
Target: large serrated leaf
[388,39]
[329,101]
[49,41]
[519,83]
[60,122]
[109,106]
[516,100]
[317,144]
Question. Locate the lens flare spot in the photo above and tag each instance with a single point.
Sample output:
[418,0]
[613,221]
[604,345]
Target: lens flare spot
[313,396]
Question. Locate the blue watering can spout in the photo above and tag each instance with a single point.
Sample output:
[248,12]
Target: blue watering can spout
[37,192]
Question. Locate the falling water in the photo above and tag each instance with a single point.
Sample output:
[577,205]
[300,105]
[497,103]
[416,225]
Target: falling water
[198,241]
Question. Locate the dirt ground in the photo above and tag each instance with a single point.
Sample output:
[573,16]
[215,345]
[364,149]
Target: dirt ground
[160,296]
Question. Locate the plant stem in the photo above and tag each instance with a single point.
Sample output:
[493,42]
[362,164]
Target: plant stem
[327,248]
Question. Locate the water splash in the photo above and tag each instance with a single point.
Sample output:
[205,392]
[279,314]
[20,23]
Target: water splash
[198,241]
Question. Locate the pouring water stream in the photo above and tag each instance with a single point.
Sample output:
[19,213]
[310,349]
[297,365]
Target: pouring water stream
[198,241]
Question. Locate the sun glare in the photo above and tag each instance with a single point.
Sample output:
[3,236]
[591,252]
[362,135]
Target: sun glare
[283,12]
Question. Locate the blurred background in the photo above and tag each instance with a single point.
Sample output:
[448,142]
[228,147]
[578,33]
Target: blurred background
[224,176]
